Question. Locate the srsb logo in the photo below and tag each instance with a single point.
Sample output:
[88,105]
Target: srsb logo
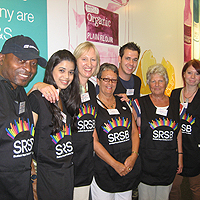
[163,135]
[64,149]
[86,123]
[186,128]
[22,147]
[115,137]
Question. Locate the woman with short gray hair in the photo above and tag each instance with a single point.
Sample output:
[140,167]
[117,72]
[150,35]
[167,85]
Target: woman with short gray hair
[158,121]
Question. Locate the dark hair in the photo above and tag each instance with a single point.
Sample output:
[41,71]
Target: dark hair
[195,63]
[131,46]
[70,95]
[107,66]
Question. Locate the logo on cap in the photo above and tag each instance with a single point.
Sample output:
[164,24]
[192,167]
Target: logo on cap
[27,46]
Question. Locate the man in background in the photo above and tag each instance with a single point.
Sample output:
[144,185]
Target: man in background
[18,64]
[128,82]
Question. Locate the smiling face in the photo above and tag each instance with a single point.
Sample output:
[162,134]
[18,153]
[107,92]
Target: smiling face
[18,72]
[191,76]
[63,74]
[128,63]
[157,84]
[107,88]
[87,64]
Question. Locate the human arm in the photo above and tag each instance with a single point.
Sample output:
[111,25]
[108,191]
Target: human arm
[123,97]
[100,151]
[49,91]
[180,152]
[35,118]
[130,161]
[34,180]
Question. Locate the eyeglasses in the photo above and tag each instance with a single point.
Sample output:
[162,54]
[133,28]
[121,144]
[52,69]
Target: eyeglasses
[109,79]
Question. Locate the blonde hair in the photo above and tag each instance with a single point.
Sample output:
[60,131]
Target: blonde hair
[85,47]
[157,69]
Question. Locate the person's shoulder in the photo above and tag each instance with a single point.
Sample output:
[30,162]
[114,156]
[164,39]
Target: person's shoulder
[176,92]
[174,100]
[144,97]
[90,84]
[177,89]
[91,88]
[136,77]
[35,94]
[137,81]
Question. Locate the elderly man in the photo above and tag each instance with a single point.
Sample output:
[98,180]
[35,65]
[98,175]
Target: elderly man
[18,64]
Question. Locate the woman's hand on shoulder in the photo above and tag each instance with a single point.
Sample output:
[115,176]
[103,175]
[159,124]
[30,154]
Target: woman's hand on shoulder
[123,97]
[49,91]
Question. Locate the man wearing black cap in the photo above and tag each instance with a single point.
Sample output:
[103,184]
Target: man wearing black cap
[18,64]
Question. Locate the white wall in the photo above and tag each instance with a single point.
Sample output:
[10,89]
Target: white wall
[153,24]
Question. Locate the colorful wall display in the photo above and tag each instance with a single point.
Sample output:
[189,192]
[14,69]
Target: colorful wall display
[29,18]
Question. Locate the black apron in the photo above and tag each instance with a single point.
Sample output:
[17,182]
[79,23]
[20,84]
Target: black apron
[116,139]
[83,140]
[55,178]
[16,141]
[158,144]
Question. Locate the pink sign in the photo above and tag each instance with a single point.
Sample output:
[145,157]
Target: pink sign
[101,25]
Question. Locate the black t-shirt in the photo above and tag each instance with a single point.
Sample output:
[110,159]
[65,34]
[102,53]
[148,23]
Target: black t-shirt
[133,83]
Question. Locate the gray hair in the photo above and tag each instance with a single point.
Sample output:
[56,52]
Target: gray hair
[157,69]
[107,66]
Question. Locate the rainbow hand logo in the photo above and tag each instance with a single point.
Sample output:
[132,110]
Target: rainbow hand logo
[86,109]
[163,122]
[66,131]
[188,118]
[116,123]
[19,127]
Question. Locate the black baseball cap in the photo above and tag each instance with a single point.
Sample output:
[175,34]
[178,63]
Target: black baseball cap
[24,48]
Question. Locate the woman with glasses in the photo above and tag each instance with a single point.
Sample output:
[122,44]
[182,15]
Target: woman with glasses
[116,142]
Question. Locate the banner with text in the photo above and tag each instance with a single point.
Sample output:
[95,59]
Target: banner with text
[101,25]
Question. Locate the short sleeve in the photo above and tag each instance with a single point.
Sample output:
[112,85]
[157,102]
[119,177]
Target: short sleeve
[34,102]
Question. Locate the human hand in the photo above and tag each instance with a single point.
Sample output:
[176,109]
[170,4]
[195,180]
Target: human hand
[121,169]
[130,162]
[124,97]
[49,92]
[180,164]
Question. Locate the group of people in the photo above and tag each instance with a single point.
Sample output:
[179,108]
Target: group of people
[95,143]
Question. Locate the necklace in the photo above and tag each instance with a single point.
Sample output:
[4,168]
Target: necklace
[187,98]
[107,106]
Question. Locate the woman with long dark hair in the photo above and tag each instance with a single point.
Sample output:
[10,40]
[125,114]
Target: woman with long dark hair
[54,125]
[88,61]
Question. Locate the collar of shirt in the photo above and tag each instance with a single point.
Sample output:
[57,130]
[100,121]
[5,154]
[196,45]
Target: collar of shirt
[82,88]
[13,92]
